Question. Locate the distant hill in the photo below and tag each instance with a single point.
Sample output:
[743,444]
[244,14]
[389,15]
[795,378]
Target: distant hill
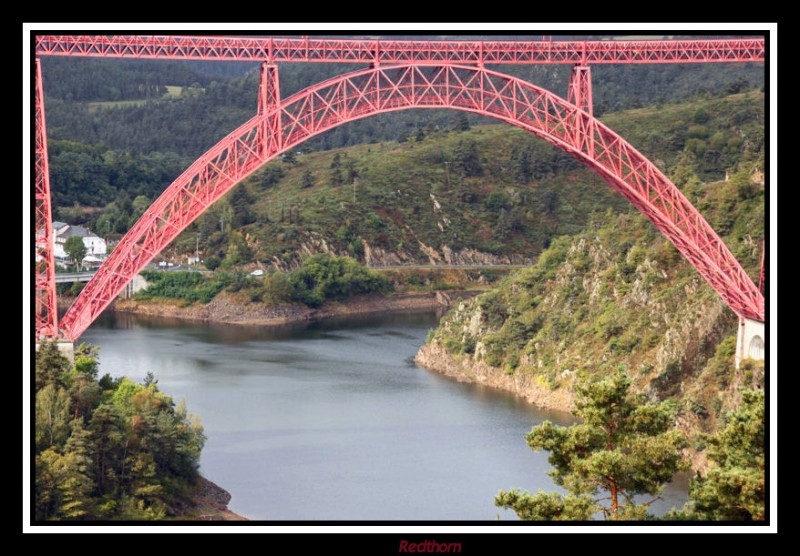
[216,97]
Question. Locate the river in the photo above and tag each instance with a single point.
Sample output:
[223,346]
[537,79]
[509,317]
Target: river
[333,421]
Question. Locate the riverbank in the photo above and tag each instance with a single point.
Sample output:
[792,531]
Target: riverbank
[435,357]
[226,308]
[208,502]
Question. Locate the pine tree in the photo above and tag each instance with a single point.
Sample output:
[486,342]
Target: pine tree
[466,159]
[52,417]
[76,484]
[63,482]
[107,432]
[521,164]
[460,122]
[290,157]
[149,379]
[51,365]
[734,488]
[45,488]
[336,176]
[85,394]
[623,448]
[240,203]
[308,179]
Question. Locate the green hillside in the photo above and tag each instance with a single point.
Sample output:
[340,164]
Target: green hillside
[490,194]
[619,295]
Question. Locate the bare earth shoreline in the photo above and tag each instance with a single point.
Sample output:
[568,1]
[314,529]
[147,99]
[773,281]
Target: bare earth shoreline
[226,309]
[435,358]
[209,502]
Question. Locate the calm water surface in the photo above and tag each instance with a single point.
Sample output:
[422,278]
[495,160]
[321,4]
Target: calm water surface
[333,420]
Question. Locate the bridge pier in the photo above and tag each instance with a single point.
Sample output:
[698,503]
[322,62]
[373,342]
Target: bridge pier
[136,284]
[66,347]
[750,341]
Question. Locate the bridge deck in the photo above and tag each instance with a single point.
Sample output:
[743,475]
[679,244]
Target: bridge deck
[308,49]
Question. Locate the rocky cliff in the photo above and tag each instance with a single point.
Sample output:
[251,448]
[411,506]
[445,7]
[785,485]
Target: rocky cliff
[616,295]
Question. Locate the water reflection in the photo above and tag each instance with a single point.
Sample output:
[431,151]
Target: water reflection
[332,420]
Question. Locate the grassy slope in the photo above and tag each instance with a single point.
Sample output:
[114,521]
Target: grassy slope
[173,91]
[400,184]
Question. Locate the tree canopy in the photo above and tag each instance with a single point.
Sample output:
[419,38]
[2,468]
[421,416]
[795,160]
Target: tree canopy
[108,449]
[734,487]
[75,249]
[622,449]
[323,277]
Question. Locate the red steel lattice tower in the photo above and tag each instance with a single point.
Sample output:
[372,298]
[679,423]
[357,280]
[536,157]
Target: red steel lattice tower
[580,88]
[269,98]
[45,279]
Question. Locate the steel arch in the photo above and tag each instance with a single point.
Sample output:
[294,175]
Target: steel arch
[384,89]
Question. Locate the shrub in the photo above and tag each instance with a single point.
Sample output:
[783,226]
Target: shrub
[212,262]
[497,200]
[188,286]
[697,132]
[277,289]
[323,278]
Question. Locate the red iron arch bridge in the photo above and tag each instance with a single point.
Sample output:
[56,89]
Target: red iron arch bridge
[399,75]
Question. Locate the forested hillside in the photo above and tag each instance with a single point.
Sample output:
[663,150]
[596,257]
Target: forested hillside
[465,194]
[190,121]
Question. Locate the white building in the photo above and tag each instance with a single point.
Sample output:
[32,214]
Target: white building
[95,245]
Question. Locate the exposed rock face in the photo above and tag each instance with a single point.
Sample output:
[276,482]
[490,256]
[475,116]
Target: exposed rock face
[434,357]
[376,256]
[209,502]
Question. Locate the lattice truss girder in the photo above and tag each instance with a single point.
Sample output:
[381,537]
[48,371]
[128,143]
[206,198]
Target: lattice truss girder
[384,89]
[273,49]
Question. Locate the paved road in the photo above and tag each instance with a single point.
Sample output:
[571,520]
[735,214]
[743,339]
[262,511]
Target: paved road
[67,277]
[64,277]
[447,266]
